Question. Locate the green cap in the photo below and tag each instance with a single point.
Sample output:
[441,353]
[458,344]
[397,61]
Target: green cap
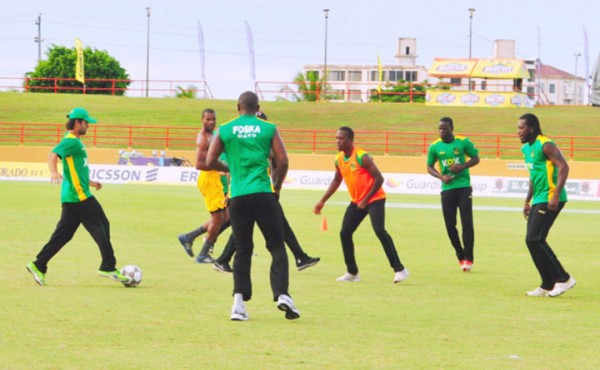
[80,113]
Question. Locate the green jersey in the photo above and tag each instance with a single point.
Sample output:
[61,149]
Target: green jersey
[454,152]
[247,142]
[542,171]
[76,173]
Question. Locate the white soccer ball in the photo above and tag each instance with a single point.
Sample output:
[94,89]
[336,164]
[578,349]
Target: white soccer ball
[134,273]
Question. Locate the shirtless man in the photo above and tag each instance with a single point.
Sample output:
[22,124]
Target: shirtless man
[211,187]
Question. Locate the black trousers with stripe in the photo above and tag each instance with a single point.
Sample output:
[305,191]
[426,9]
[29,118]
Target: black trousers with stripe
[539,223]
[91,215]
[461,200]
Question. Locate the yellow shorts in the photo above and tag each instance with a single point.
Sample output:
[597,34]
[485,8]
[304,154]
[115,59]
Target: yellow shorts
[209,184]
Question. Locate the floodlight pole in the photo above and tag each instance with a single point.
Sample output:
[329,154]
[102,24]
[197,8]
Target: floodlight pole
[38,38]
[471,11]
[576,55]
[326,13]
[148,52]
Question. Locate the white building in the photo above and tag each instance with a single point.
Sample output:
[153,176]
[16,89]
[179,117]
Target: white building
[547,85]
[355,82]
[557,87]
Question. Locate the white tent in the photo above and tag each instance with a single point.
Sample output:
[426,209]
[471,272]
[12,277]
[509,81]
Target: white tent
[595,92]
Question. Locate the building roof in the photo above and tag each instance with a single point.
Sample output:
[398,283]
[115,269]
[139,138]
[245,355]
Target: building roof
[552,72]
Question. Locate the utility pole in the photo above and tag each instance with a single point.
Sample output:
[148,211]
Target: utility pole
[326,13]
[471,11]
[576,55]
[38,38]
[148,52]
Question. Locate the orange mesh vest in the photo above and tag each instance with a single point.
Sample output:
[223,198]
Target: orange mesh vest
[357,179]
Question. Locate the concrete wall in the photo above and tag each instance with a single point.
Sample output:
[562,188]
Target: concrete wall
[487,167]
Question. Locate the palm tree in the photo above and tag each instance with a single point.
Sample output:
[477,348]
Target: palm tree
[189,93]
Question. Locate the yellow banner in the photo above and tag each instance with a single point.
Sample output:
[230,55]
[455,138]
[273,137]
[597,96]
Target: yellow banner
[79,68]
[452,67]
[477,99]
[500,69]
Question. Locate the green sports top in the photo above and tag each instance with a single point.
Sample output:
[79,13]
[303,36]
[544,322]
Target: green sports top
[247,142]
[542,171]
[454,152]
[76,173]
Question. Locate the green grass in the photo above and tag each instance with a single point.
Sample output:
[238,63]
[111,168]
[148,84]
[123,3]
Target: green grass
[179,316]
[556,120]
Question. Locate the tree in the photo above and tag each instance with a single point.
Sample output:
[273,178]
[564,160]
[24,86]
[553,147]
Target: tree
[399,93]
[100,72]
[190,92]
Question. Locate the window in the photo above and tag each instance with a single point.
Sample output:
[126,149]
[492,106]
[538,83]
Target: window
[354,76]
[407,50]
[396,75]
[455,81]
[483,85]
[374,76]
[410,76]
[551,88]
[531,92]
[354,95]
[337,76]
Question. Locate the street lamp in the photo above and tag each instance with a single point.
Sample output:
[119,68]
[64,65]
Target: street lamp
[326,13]
[471,11]
[148,52]
[576,55]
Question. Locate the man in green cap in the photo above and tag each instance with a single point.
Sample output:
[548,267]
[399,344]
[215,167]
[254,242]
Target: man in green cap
[79,206]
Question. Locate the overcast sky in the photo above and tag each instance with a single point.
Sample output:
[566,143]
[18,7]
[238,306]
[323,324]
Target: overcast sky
[288,34]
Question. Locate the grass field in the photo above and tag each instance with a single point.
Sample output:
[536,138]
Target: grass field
[179,317]
[556,120]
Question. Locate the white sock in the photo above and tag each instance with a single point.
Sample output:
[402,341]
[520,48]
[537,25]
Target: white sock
[238,298]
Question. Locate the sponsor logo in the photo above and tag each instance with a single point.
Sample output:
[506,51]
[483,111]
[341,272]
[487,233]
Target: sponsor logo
[452,68]
[450,161]
[516,166]
[498,69]
[23,172]
[393,183]
[309,180]
[517,100]
[445,98]
[152,175]
[469,99]
[495,99]
[517,186]
[115,175]
[415,184]
[248,131]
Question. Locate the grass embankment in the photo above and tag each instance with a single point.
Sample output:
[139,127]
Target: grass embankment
[564,120]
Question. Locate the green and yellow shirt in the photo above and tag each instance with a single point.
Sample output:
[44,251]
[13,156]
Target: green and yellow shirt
[76,173]
[542,172]
[454,152]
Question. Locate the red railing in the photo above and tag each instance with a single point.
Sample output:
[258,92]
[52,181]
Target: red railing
[107,86]
[297,141]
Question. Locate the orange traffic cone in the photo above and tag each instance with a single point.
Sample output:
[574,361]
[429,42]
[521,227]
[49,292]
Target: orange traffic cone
[324,224]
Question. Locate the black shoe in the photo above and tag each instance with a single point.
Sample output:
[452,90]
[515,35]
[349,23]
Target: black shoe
[223,267]
[307,262]
[186,244]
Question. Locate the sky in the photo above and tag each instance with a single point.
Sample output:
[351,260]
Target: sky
[288,34]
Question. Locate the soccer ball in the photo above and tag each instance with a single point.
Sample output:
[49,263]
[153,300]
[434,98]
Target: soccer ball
[134,273]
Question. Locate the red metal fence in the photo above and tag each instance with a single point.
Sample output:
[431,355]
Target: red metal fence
[107,86]
[297,141]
